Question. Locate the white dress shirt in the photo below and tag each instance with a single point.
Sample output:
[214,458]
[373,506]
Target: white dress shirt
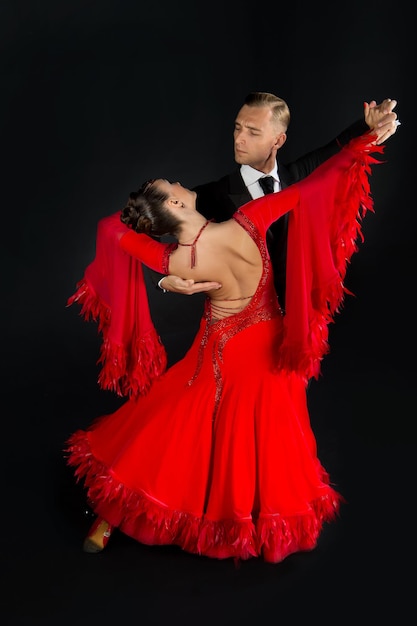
[251,177]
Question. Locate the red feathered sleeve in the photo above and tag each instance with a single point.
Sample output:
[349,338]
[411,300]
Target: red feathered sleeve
[113,293]
[150,252]
[324,228]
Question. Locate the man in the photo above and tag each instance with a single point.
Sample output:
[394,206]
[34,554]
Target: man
[259,133]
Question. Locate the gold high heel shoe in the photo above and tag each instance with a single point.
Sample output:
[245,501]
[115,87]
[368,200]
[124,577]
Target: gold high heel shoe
[98,536]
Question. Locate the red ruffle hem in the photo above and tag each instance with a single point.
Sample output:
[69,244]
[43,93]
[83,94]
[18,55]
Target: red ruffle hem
[151,522]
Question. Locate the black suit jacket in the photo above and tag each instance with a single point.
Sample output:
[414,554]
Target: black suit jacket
[219,199]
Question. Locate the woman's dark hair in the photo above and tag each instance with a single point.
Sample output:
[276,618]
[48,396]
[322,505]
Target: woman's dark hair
[145,212]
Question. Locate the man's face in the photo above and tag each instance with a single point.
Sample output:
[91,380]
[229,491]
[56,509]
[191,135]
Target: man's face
[256,139]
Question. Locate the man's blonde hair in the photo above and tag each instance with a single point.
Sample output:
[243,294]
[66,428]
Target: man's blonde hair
[278,106]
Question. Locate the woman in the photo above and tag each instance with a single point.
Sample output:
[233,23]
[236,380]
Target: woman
[216,454]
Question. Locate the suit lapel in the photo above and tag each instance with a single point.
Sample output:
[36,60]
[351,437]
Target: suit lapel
[284,176]
[238,192]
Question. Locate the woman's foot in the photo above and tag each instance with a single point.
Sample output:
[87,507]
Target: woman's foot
[98,536]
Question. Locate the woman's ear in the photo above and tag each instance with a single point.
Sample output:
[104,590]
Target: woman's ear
[173,203]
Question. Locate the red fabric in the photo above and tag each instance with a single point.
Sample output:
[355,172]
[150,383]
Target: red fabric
[113,293]
[219,456]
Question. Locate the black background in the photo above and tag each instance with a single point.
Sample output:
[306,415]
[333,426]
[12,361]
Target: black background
[97,97]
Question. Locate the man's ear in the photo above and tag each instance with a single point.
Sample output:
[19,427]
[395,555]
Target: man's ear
[280,140]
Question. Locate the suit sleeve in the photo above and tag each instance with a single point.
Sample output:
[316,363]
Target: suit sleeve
[302,167]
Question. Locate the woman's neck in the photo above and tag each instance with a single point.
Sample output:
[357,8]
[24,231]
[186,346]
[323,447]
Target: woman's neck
[190,230]
[192,242]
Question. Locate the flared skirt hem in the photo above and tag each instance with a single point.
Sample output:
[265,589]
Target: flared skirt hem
[141,516]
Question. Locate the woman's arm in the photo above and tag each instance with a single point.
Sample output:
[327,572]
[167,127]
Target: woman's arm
[150,252]
[266,210]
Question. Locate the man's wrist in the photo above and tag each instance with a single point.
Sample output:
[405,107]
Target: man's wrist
[160,285]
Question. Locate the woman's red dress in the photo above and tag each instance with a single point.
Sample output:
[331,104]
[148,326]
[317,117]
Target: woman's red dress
[218,455]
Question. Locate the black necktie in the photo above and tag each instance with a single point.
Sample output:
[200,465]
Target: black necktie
[267,184]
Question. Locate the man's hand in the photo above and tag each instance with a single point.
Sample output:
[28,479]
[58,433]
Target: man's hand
[188,287]
[381,119]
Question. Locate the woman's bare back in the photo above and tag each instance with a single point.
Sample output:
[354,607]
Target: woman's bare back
[225,253]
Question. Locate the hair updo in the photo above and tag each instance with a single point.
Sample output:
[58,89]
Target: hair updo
[145,212]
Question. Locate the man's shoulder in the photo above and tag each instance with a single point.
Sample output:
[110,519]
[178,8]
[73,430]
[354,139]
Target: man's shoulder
[222,184]
[218,199]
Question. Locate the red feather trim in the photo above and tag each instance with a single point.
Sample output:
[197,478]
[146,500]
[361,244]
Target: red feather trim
[151,522]
[127,371]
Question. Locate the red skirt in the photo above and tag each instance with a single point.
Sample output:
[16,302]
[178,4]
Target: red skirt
[218,458]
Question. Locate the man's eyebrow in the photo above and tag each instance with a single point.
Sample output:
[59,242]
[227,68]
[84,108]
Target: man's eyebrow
[259,130]
[253,128]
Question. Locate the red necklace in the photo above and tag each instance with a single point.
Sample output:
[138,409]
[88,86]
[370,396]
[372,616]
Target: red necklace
[192,245]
